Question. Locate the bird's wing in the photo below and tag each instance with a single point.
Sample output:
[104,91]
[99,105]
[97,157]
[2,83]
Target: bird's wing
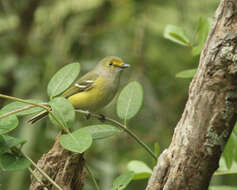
[84,83]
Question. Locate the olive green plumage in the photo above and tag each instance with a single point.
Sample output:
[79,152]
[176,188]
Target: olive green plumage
[95,89]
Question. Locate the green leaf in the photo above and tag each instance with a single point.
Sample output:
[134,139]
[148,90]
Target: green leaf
[7,142]
[78,141]
[12,162]
[176,34]
[223,170]
[3,146]
[222,187]
[8,123]
[101,131]
[186,73]
[230,150]
[63,110]
[140,169]
[122,181]
[17,105]
[156,149]
[196,50]
[203,28]
[63,79]
[235,129]
[130,100]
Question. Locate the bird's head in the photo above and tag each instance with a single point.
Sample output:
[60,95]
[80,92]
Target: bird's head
[112,64]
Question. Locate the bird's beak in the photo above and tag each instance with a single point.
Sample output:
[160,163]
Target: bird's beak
[123,66]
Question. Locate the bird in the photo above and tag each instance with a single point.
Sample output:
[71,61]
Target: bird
[95,89]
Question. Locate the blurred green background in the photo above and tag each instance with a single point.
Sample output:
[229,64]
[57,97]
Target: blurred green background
[38,37]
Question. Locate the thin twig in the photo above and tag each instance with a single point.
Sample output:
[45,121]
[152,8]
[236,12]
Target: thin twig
[92,177]
[16,111]
[23,101]
[37,178]
[123,127]
[38,105]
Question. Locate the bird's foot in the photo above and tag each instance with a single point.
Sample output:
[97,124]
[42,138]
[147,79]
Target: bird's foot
[88,115]
[102,118]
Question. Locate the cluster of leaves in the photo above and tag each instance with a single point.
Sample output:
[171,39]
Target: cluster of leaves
[62,115]
[177,34]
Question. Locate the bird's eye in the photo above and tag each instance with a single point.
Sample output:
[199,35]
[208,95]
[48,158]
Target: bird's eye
[110,63]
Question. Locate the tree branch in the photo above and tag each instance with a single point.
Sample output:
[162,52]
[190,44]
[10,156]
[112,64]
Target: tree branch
[64,167]
[210,112]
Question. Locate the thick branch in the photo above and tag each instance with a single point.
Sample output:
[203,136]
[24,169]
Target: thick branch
[210,112]
[64,167]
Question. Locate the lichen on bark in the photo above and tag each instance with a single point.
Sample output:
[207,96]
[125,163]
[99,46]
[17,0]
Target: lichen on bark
[210,112]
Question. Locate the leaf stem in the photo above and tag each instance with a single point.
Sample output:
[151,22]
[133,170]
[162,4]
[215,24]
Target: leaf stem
[39,105]
[123,127]
[16,111]
[37,178]
[23,101]
[225,173]
[92,177]
[59,122]
[42,172]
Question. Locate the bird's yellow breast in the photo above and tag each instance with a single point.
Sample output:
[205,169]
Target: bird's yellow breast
[94,98]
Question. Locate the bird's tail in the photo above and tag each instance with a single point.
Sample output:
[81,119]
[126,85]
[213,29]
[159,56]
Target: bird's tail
[38,116]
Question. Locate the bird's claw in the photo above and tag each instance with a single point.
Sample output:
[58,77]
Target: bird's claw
[88,115]
[102,118]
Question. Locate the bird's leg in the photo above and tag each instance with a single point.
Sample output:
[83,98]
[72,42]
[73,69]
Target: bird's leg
[88,115]
[86,112]
[102,118]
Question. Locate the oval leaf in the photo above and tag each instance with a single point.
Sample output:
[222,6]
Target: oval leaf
[101,131]
[229,151]
[3,146]
[8,123]
[140,169]
[63,79]
[122,181]
[203,28]
[18,105]
[176,34]
[186,73]
[223,169]
[63,110]
[130,100]
[11,162]
[7,142]
[78,141]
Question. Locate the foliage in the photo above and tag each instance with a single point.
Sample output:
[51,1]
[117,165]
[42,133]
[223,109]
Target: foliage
[63,79]
[130,101]
[62,115]
[176,34]
[122,181]
[101,131]
[64,111]
[140,169]
[36,42]
[78,141]
[13,162]
[186,73]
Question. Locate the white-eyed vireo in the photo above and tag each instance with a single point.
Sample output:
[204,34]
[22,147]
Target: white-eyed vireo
[96,88]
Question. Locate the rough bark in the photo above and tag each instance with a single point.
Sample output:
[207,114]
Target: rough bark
[64,167]
[209,114]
